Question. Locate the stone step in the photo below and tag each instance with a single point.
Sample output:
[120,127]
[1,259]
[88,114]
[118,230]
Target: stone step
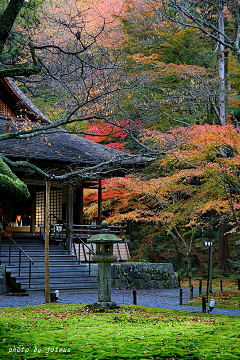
[60,274]
[68,277]
[60,286]
[25,243]
[34,248]
[66,280]
[76,290]
[36,267]
[39,257]
[57,270]
[39,263]
[65,272]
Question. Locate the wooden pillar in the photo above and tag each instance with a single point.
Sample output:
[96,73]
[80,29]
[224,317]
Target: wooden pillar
[33,209]
[79,200]
[46,230]
[99,202]
[69,218]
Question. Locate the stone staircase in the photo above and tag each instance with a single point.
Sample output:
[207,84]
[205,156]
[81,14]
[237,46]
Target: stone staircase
[65,273]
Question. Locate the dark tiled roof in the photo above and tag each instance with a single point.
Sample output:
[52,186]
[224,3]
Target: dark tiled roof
[57,144]
[25,101]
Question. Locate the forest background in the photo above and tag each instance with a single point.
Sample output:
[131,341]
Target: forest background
[156,78]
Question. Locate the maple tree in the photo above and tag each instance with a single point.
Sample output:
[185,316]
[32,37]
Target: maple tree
[178,53]
[167,75]
[218,20]
[64,53]
[173,69]
[160,77]
[193,186]
[14,62]
[203,15]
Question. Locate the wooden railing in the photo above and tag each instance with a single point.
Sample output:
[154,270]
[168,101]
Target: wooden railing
[119,249]
[21,251]
[64,224]
[86,231]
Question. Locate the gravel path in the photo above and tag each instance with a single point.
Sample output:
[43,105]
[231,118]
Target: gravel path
[164,299]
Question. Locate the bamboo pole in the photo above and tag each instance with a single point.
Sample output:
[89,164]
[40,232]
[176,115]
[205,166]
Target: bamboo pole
[47,208]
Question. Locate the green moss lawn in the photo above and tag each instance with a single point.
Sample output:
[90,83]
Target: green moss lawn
[56,331]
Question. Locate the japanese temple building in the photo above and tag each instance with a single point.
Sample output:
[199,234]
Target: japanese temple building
[55,151]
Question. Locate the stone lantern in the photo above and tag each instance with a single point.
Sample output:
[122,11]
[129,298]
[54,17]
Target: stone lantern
[104,257]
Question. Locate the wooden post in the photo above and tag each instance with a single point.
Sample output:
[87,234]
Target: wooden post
[69,219]
[181,297]
[0,241]
[79,199]
[221,285]
[100,202]
[33,210]
[200,287]
[191,292]
[47,209]
[134,297]
[203,304]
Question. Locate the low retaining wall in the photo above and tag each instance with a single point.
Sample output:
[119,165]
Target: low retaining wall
[3,282]
[133,276]
[137,276]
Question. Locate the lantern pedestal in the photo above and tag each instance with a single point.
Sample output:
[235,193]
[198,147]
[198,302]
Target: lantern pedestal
[104,257]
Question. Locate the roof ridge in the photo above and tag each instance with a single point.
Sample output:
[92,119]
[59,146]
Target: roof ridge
[26,100]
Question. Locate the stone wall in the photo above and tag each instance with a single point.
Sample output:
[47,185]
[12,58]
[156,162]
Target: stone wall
[3,283]
[137,276]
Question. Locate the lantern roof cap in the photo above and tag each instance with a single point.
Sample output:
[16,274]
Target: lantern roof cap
[105,236]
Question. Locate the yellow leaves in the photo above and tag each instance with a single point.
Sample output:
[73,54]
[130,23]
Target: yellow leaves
[195,143]
[234,102]
[189,183]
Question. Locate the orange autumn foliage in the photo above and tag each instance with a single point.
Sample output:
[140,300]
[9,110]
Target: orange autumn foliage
[197,179]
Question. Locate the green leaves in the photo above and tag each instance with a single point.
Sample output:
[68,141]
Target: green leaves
[10,184]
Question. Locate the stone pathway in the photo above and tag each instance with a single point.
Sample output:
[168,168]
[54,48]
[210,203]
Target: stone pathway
[163,299]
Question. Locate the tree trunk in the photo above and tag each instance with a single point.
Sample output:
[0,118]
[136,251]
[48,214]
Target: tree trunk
[7,19]
[177,248]
[223,246]
[189,265]
[47,211]
[221,64]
